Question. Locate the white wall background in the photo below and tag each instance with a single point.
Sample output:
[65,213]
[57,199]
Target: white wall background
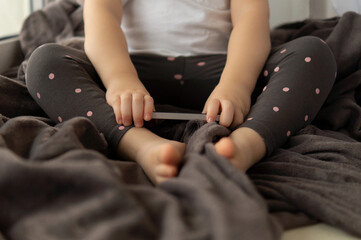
[288,10]
[342,6]
[322,8]
[12,14]
[297,10]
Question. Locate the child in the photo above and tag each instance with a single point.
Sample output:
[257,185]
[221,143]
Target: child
[209,55]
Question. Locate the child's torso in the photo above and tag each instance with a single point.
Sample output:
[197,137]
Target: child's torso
[177,27]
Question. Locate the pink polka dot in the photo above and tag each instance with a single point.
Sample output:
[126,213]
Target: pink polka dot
[121,128]
[265,88]
[201,64]
[181,82]
[308,59]
[38,95]
[78,90]
[283,51]
[286,89]
[51,76]
[277,69]
[178,76]
[171,58]
[288,133]
[317,91]
[89,113]
[60,119]
[250,119]
[276,109]
[306,118]
[265,73]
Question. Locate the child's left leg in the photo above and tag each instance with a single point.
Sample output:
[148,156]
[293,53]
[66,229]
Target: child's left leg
[299,76]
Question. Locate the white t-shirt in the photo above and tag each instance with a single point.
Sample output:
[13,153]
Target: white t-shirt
[177,27]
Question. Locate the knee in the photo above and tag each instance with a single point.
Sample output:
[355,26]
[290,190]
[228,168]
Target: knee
[40,64]
[318,51]
[321,64]
[44,57]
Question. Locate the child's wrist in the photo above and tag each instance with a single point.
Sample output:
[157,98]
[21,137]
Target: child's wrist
[244,89]
[235,80]
[123,79]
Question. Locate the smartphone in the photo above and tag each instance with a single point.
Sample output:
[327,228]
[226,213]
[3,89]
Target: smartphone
[180,116]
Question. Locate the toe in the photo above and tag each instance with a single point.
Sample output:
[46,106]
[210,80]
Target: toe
[170,155]
[225,147]
[166,171]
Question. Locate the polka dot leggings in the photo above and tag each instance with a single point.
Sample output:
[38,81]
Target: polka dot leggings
[291,89]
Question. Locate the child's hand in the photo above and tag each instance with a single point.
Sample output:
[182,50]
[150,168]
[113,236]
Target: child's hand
[131,102]
[232,103]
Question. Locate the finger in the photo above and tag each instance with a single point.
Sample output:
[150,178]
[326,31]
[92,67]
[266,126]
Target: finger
[148,107]
[237,120]
[212,110]
[137,109]
[205,108]
[126,109]
[226,116]
[116,108]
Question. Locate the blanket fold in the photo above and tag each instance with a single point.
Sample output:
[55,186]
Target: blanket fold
[76,193]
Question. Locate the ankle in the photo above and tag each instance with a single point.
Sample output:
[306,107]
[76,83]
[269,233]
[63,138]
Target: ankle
[250,143]
[134,141]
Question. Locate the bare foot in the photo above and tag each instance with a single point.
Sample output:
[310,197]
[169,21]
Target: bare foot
[160,158]
[244,147]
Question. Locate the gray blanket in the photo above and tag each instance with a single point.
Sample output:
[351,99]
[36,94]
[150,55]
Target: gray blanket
[61,182]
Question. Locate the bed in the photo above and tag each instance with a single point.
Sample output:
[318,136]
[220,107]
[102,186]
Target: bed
[60,181]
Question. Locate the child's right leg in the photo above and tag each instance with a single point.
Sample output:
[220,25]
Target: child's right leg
[64,83]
